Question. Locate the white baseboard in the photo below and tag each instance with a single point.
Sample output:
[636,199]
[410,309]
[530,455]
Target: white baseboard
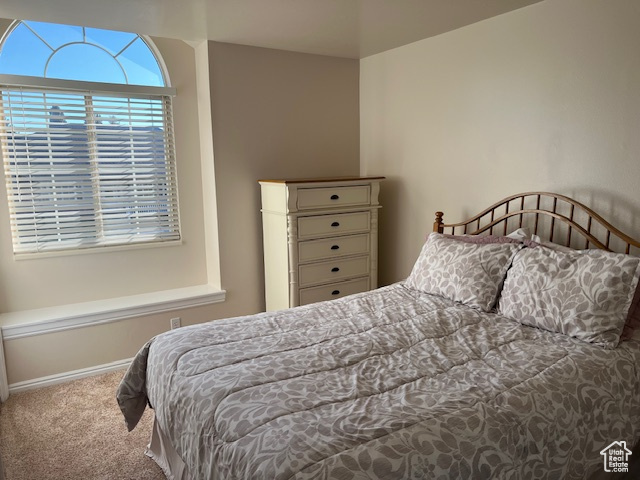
[68,376]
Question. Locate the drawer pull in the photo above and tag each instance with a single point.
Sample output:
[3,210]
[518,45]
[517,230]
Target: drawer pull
[335,197]
[335,269]
[335,224]
[335,247]
[335,292]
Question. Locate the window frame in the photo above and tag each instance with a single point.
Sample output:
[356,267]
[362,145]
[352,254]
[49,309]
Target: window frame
[80,87]
[145,38]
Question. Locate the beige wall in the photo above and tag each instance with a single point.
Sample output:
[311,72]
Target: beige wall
[545,97]
[275,114]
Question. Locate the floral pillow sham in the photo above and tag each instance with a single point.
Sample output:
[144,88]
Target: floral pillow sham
[469,273]
[633,319]
[586,294]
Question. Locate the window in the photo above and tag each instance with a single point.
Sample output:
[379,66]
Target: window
[87,139]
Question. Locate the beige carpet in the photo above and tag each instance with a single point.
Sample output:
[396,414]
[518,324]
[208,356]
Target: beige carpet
[73,431]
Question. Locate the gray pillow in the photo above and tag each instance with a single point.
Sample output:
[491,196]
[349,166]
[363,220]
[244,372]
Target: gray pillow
[469,273]
[584,294]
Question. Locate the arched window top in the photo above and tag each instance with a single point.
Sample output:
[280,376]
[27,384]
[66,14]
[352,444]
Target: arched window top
[50,50]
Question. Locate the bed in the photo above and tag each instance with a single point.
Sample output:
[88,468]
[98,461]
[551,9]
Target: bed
[510,351]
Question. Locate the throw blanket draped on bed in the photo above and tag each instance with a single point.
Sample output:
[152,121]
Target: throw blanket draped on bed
[387,384]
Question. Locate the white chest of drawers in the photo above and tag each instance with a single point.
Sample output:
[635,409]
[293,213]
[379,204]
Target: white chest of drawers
[320,238]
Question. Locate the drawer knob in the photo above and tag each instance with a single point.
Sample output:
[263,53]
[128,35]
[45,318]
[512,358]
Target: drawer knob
[335,247]
[335,224]
[335,269]
[335,197]
[335,292]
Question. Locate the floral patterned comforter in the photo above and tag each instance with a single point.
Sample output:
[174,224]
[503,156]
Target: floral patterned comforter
[388,384]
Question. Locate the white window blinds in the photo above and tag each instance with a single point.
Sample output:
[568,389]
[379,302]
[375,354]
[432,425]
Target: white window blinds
[86,169]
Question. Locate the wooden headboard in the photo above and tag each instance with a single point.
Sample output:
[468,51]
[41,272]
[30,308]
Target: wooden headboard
[553,217]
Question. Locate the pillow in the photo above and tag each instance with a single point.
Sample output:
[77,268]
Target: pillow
[464,272]
[633,319]
[553,246]
[520,234]
[583,294]
[483,239]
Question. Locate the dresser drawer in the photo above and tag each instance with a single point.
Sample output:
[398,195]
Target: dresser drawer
[333,270]
[337,224]
[312,250]
[329,197]
[333,291]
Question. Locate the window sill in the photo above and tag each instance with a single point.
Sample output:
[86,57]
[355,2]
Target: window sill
[41,321]
[94,250]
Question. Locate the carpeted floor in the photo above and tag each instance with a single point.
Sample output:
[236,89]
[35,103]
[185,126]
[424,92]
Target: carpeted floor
[73,431]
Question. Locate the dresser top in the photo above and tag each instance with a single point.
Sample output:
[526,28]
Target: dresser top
[287,181]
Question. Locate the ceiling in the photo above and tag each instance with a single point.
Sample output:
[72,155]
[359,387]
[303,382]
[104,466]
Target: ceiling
[342,28]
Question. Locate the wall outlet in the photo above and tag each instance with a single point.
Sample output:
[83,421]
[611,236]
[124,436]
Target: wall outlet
[175,322]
